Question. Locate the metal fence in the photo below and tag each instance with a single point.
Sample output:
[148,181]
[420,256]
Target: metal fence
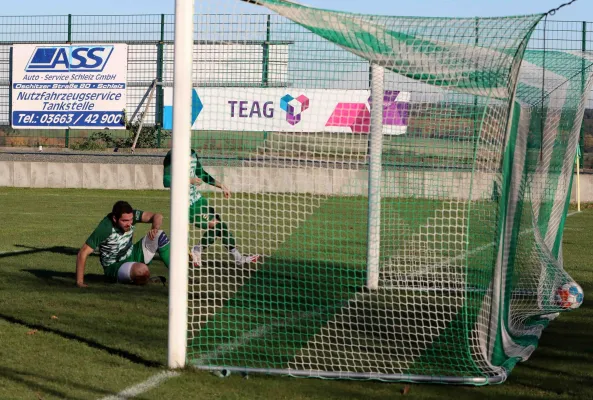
[255,50]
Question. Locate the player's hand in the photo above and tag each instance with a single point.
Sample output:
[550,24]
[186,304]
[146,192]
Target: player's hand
[225,191]
[195,181]
[152,233]
[81,285]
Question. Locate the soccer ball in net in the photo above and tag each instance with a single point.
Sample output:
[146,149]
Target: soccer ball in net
[569,296]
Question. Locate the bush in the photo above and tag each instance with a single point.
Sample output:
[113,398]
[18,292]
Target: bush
[96,141]
[102,140]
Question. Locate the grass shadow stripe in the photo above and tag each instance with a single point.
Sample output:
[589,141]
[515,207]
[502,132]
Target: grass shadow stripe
[116,352]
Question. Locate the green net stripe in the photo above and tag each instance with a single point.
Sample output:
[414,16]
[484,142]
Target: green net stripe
[444,52]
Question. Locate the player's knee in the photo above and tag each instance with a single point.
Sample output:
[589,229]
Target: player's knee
[140,273]
[163,239]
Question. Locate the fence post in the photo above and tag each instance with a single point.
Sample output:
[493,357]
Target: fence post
[159,82]
[266,58]
[476,119]
[69,41]
[582,133]
[10,55]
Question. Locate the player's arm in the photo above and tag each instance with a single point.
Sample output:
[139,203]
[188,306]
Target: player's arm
[101,232]
[84,252]
[156,219]
[225,190]
[206,177]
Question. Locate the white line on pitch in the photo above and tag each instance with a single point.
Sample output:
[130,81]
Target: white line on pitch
[258,332]
[151,383]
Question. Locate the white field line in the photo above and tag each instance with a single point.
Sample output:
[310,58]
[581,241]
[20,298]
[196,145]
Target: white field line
[258,332]
[151,383]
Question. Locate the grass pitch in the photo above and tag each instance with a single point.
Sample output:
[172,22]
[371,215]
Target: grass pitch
[61,342]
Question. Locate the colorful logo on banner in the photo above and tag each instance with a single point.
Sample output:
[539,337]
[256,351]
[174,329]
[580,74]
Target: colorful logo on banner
[294,107]
[357,116]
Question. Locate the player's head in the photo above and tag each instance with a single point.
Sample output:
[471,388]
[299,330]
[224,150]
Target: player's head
[122,215]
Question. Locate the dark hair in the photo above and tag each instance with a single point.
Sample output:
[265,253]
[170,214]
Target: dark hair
[121,207]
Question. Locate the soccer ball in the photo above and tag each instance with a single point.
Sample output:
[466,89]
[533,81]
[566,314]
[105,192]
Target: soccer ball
[569,296]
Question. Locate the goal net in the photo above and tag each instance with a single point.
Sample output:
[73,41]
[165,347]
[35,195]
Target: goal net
[415,238]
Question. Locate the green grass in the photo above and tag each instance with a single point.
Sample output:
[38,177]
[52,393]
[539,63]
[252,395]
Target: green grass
[110,337]
[37,363]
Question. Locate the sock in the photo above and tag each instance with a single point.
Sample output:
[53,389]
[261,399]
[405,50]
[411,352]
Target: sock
[236,254]
[196,258]
[164,249]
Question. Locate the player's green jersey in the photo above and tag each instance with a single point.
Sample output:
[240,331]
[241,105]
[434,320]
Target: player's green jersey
[196,171]
[114,244]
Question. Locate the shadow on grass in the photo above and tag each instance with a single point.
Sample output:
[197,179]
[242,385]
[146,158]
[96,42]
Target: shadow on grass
[47,274]
[65,250]
[50,274]
[91,343]
[30,380]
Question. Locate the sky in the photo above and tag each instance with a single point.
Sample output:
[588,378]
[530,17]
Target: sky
[580,10]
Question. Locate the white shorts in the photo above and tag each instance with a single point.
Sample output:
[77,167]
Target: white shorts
[124,272]
[149,249]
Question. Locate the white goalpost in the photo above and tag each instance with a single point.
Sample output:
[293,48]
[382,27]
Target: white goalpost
[182,86]
[376,149]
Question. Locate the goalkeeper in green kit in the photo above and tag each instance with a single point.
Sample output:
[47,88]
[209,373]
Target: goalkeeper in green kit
[204,216]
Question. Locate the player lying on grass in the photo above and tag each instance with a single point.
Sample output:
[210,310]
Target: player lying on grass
[122,260]
[203,216]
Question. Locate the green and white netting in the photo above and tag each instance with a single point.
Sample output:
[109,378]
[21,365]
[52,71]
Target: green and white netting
[477,144]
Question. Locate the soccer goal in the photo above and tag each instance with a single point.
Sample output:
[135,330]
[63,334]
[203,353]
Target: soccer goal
[405,182]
